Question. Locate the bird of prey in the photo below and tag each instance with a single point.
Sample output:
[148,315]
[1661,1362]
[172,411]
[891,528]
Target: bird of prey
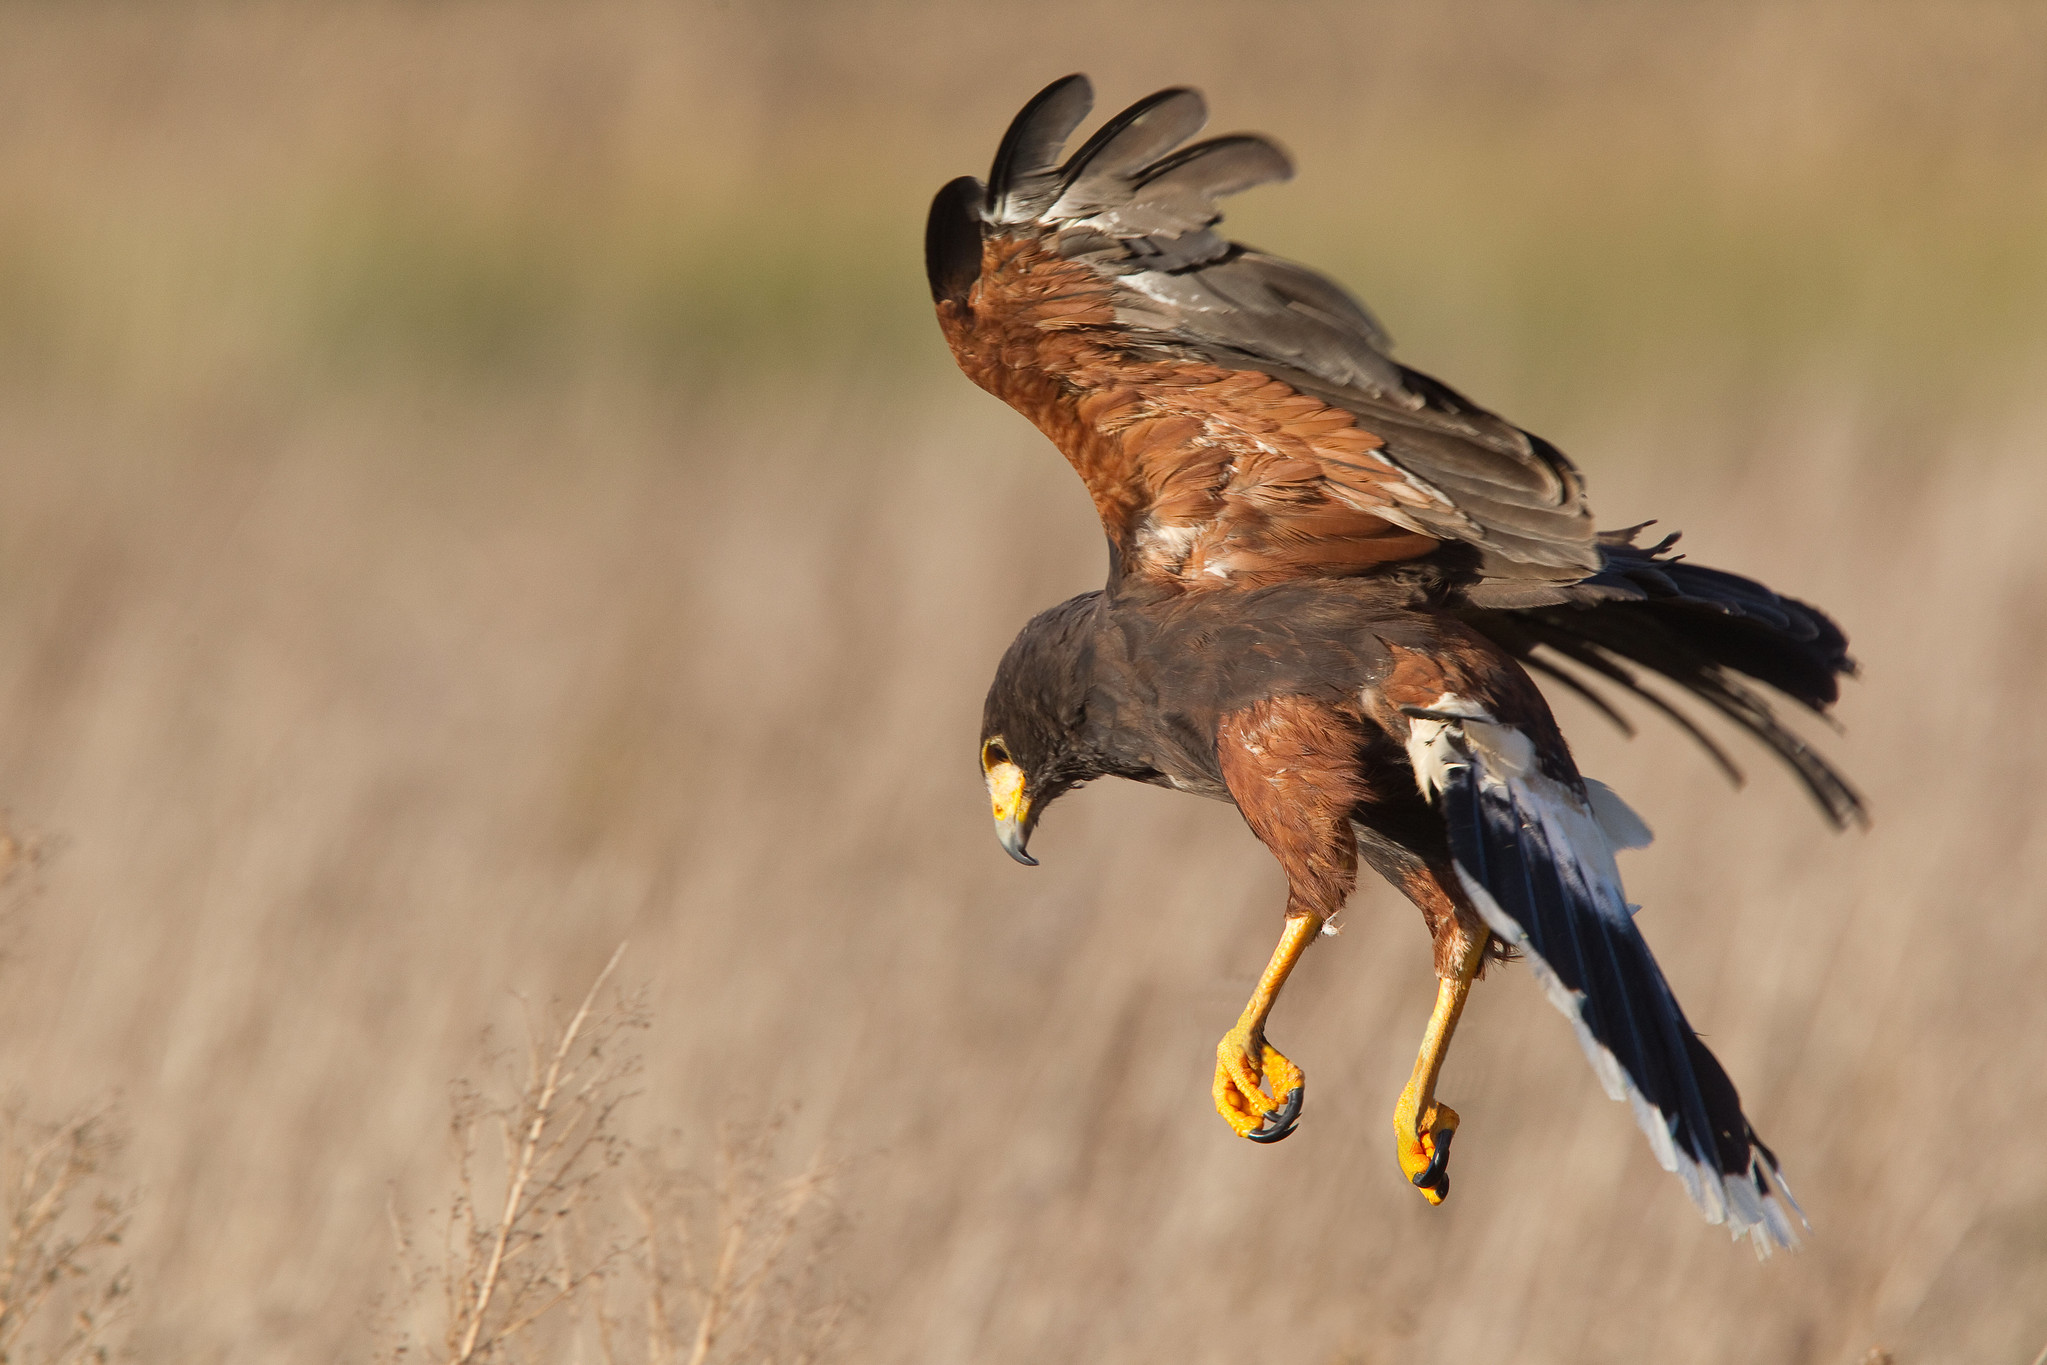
[1332,580]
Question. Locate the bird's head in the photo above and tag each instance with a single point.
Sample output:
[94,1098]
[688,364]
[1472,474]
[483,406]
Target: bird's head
[1034,743]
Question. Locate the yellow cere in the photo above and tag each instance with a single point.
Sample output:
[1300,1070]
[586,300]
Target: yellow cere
[1006,791]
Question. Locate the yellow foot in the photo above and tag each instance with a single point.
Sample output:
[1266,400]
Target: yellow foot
[1261,1100]
[1424,1148]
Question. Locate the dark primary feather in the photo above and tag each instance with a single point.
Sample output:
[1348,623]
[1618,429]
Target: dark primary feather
[1186,184]
[952,240]
[1025,174]
[1099,176]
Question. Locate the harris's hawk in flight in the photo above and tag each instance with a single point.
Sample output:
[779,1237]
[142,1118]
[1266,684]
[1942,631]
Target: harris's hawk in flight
[1330,580]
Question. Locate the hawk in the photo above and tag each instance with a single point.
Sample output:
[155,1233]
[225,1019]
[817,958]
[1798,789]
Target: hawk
[1332,583]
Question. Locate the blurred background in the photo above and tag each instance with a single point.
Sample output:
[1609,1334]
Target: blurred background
[482,484]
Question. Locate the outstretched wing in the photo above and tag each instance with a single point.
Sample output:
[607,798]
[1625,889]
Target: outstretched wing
[1536,857]
[1235,417]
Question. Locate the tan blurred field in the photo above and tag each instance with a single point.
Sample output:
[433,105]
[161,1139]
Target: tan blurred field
[479,483]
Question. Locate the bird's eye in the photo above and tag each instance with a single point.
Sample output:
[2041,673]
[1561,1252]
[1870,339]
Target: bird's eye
[992,754]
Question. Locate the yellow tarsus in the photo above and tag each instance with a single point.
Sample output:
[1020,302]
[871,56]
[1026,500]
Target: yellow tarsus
[1420,1123]
[1252,1077]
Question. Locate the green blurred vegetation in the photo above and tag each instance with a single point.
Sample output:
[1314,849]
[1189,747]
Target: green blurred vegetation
[1739,201]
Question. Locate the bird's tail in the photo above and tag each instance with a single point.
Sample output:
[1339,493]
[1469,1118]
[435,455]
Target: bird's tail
[1705,630]
[1534,854]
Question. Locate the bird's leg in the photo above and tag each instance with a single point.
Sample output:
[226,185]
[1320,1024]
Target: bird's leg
[1422,1127]
[1291,764]
[1257,1090]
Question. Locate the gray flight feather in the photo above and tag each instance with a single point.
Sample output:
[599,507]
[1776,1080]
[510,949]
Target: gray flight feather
[1143,216]
[1027,173]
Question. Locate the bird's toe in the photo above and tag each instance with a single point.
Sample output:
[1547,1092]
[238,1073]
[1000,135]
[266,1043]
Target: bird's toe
[1262,1100]
[1424,1148]
[1281,1122]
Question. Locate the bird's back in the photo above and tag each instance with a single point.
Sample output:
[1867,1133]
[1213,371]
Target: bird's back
[1166,668]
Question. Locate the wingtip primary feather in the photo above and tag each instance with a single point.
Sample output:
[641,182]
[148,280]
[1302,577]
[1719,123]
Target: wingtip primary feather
[952,241]
[1027,162]
[1222,166]
[1142,132]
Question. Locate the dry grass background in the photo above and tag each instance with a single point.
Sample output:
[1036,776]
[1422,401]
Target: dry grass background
[480,484]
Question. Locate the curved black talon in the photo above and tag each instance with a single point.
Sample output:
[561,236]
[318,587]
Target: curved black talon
[1435,1176]
[1280,1123]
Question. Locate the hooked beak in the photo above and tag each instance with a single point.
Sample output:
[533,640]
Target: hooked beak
[1012,807]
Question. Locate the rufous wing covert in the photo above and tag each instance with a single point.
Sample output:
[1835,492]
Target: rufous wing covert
[1235,417]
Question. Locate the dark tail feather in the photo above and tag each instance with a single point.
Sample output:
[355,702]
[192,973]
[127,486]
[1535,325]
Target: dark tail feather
[1704,630]
[1541,894]
[1589,656]
[1569,681]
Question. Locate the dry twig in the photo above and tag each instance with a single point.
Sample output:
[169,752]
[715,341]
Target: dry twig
[733,1268]
[506,1263]
[61,1288]
[60,1291]
[724,1268]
